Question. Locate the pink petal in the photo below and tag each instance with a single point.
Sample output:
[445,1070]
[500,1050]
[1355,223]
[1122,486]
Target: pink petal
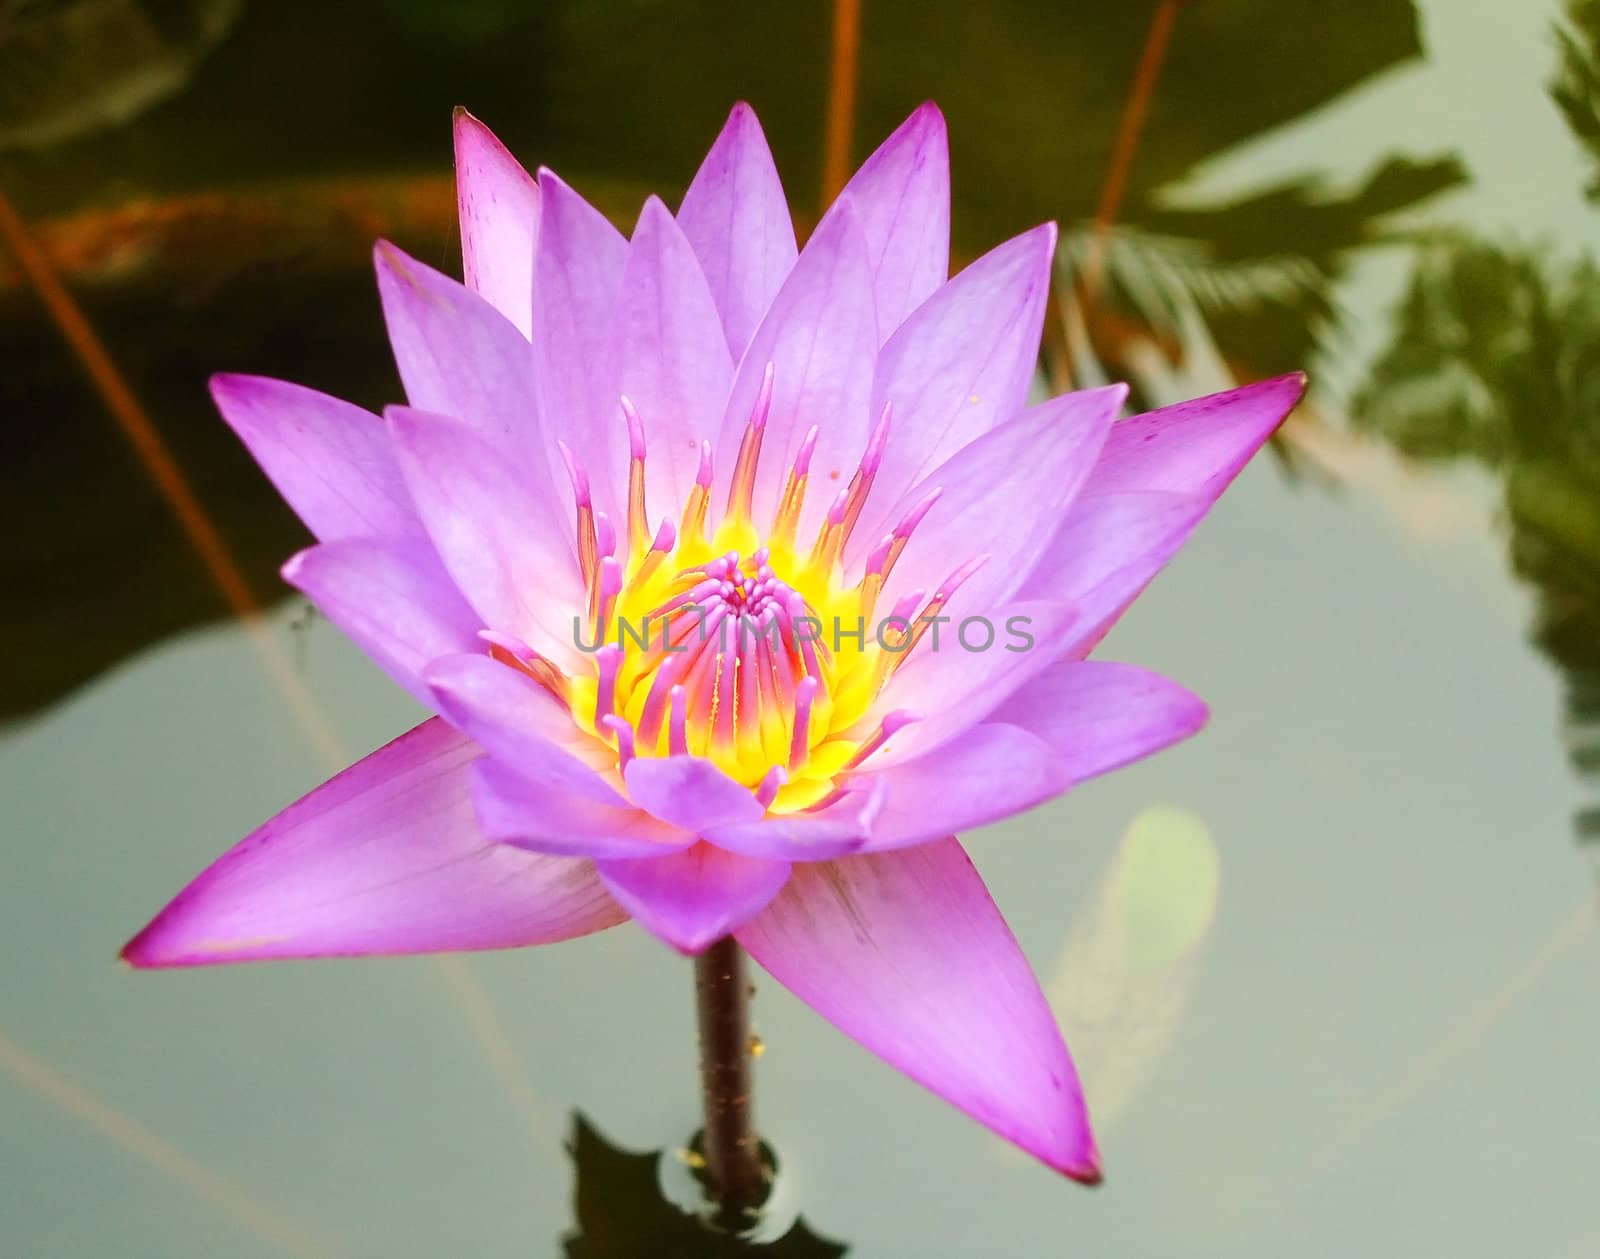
[691,899]
[1106,552]
[330,460]
[843,826]
[522,726]
[906,953]
[577,273]
[514,811]
[1098,716]
[384,858]
[499,206]
[959,366]
[902,194]
[393,598]
[999,496]
[986,773]
[507,549]
[675,365]
[952,686]
[689,792]
[1195,447]
[459,356]
[736,217]
[820,337]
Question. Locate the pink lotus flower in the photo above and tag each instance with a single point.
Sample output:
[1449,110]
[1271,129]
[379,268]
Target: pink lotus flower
[607,432]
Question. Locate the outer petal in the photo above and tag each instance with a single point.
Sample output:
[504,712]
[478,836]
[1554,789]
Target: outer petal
[1106,552]
[958,366]
[986,773]
[577,272]
[693,898]
[736,217]
[689,792]
[1195,447]
[820,337]
[902,193]
[675,365]
[953,682]
[997,497]
[521,725]
[330,460]
[906,953]
[515,811]
[503,546]
[459,356]
[499,207]
[842,827]
[1098,716]
[384,858]
[393,598]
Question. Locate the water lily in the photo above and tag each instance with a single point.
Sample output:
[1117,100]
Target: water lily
[704,434]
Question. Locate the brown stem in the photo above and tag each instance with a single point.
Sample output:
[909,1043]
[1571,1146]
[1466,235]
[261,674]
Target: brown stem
[734,1172]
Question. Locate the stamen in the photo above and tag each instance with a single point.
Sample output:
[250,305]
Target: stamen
[941,596]
[606,662]
[830,541]
[678,723]
[587,554]
[767,792]
[861,483]
[892,723]
[694,511]
[624,735]
[638,527]
[512,651]
[794,492]
[800,742]
[666,538]
[742,490]
[605,594]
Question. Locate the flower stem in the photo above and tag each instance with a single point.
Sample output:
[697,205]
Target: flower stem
[735,1176]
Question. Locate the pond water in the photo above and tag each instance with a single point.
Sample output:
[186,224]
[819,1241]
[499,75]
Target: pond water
[1329,968]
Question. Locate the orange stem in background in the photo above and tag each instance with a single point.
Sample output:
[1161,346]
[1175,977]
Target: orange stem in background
[164,472]
[841,98]
[1127,145]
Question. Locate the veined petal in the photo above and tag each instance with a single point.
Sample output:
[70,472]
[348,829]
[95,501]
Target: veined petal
[1196,447]
[515,811]
[902,193]
[820,337]
[384,858]
[459,356]
[329,459]
[959,365]
[1000,496]
[737,219]
[954,681]
[691,899]
[507,549]
[983,774]
[688,792]
[522,726]
[1106,552]
[906,953]
[393,598]
[840,827]
[577,272]
[675,365]
[1098,716]
[499,206]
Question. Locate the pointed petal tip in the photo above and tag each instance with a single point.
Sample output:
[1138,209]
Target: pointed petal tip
[926,121]
[459,115]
